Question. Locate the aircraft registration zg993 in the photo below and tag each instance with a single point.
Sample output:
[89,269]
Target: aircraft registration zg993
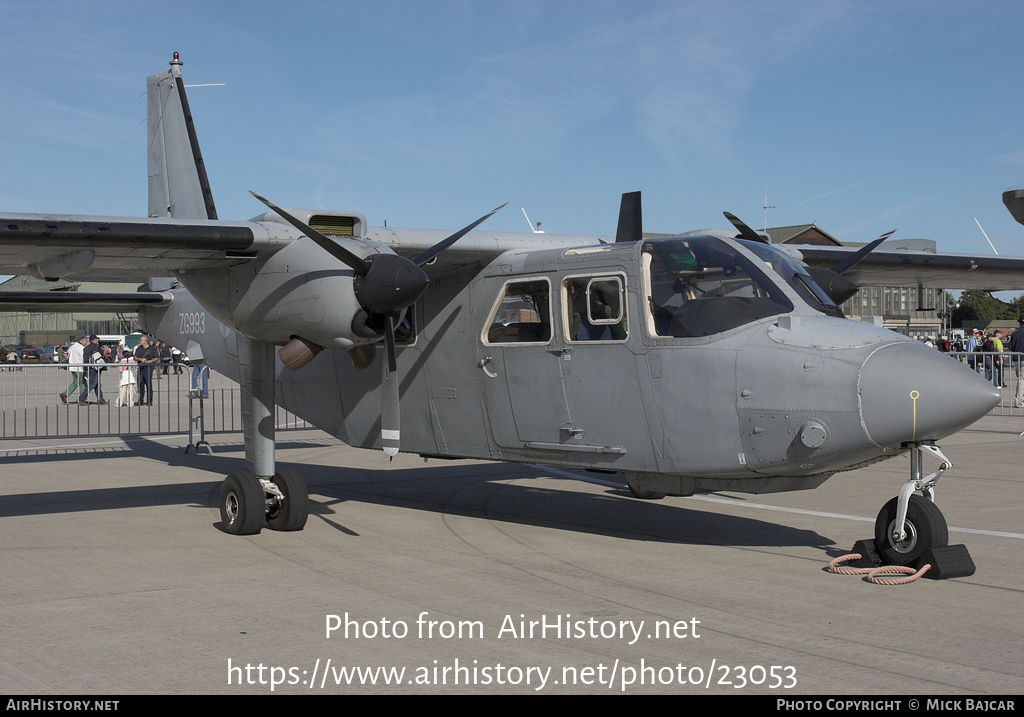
[690,364]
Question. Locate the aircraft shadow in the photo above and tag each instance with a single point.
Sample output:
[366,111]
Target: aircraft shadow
[503,492]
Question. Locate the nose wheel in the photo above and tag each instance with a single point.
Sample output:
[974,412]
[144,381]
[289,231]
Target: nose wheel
[909,525]
[924,527]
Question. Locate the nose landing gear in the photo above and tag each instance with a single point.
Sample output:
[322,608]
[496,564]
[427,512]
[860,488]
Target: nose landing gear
[909,525]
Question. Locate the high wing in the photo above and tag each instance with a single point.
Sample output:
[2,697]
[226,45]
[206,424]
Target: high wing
[70,246]
[52,246]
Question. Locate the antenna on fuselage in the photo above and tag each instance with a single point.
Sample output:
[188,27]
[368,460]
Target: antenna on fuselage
[766,207]
[535,231]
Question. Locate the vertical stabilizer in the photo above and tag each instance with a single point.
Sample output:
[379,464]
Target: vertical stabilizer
[631,222]
[178,185]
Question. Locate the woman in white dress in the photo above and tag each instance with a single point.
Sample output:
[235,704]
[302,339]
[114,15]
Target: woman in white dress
[128,390]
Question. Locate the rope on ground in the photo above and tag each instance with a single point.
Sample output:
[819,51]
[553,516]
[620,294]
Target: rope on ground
[910,572]
[878,576]
[835,565]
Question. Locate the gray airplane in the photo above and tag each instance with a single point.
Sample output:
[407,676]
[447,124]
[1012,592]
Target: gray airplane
[690,364]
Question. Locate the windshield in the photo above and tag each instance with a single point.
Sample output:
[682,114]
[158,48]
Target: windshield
[699,286]
[795,275]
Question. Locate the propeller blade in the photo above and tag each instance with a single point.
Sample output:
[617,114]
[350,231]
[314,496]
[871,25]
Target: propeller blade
[424,256]
[745,231]
[358,264]
[390,414]
[631,221]
[851,261]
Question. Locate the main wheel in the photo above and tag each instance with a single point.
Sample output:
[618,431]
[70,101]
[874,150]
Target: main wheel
[242,504]
[925,528]
[290,513]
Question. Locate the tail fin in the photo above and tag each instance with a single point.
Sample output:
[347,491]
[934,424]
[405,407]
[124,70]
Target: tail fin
[178,185]
[631,222]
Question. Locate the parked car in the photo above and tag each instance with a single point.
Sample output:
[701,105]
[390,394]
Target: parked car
[29,355]
[53,354]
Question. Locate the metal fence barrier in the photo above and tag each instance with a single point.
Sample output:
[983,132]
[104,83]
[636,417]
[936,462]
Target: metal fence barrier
[31,406]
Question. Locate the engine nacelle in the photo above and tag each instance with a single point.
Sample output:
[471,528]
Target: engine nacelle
[299,291]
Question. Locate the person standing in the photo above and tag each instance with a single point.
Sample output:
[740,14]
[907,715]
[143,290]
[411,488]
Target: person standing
[176,359]
[77,371]
[92,354]
[127,387]
[146,355]
[988,348]
[997,361]
[165,356]
[972,345]
[1017,347]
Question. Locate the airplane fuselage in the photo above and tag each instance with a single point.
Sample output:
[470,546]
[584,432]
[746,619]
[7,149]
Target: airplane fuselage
[598,357]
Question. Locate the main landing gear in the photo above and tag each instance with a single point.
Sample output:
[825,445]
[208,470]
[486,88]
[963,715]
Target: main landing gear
[263,493]
[246,503]
[910,525]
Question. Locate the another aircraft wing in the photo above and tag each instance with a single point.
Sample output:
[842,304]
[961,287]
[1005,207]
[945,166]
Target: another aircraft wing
[937,270]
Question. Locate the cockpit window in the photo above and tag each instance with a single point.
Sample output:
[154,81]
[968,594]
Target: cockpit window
[795,275]
[699,286]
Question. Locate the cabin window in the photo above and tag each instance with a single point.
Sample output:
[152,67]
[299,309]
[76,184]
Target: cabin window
[701,286]
[522,314]
[595,308]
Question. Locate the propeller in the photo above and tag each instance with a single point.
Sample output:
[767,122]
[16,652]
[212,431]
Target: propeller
[831,281]
[385,285]
[851,261]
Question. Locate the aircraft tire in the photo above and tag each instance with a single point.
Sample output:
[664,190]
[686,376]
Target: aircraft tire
[242,504]
[925,526]
[291,513]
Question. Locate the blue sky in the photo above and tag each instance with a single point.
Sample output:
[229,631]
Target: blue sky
[860,116]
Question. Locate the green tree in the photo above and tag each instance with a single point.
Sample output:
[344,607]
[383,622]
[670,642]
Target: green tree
[1017,306]
[976,305]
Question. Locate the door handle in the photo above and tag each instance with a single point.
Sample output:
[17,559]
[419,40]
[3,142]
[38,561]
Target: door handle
[482,363]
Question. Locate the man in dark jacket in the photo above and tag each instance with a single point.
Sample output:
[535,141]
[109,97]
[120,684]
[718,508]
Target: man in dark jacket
[93,354]
[146,355]
[1016,345]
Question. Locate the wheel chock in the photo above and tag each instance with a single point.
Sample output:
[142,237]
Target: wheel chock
[950,561]
[868,554]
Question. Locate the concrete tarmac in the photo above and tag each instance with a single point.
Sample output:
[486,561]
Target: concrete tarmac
[475,577]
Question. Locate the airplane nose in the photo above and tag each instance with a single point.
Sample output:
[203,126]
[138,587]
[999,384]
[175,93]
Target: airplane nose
[910,392]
